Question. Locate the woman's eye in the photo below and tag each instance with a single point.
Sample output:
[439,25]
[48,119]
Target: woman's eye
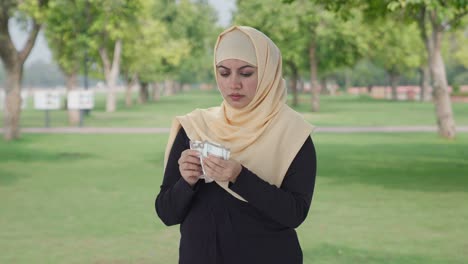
[224,74]
[246,74]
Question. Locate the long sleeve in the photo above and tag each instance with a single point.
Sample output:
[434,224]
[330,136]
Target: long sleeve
[289,204]
[175,196]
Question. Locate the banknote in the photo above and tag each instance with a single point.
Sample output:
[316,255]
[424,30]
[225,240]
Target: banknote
[216,150]
[209,148]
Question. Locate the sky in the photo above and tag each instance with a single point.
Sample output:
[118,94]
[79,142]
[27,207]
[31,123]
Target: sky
[224,8]
[41,51]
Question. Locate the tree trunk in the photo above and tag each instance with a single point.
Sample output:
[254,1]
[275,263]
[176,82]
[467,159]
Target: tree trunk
[313,78]
[300,85]
[177,87]
[156,92]
[12,108]
[128,95]
[186,87]
[422,19]
[144,93]
[294,80]
[443,105]
[323,86]
[394,78]
[111,72]
[347,79]
[168,87]
[131,82]
[441,98]
[111,100]
[71,84]
[13,61]
[333,87]
[425,83]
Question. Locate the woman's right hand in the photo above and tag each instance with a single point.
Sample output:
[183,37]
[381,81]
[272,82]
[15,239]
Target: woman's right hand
[189,166]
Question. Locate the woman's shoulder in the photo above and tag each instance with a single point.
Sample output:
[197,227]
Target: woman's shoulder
[199,112]
[294,119]
[181,132]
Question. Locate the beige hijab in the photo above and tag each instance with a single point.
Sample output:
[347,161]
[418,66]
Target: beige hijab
[265,135]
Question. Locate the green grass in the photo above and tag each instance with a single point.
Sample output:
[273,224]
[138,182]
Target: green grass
[380,198]
[351,110]
[345,110]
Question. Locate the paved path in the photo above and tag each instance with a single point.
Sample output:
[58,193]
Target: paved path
[156,130]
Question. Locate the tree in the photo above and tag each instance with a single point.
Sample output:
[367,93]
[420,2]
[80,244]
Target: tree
[434,18]
[305,30]
[455,51]
[66,33]
[367,73]
[284,30]
[145,46]
[31,12]
[392,46]
[196,23]
[191,24]
[460,40]
[110,23]
[440,15]
[172,40]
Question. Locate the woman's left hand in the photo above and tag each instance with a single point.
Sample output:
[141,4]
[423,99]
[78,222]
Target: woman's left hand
[221,170]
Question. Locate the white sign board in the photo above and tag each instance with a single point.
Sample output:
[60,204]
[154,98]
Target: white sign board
[80,99]
[47,100]
[24,99]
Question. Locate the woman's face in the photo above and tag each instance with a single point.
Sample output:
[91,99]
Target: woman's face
[237,81]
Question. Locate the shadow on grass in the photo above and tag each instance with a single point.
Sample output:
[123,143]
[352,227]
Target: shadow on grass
[9,177]
[24,154]
[327,253]
[422,167]
[155,158]
[20,153]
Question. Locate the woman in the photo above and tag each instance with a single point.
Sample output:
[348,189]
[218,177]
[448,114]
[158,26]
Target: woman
[264,190]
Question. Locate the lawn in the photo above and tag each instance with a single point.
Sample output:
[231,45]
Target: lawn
[345,110]
[380,198]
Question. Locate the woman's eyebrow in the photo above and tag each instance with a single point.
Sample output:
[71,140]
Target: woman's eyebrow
[247,66]
[243,67]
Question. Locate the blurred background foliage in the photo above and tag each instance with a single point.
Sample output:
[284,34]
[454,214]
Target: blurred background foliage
[174,39]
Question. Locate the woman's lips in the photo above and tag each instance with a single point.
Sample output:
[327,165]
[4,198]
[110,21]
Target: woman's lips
[236,97]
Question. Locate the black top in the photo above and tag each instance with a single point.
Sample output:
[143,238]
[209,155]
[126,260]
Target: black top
[218,228]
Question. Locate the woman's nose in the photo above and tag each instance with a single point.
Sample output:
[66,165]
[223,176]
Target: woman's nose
[235,82]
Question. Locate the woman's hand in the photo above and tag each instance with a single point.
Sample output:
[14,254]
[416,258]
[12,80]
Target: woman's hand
[189,166]
[221,170]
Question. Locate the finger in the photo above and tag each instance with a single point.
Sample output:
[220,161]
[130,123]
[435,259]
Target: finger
[191,166]
[210,173]
[191,160]
[191,156]
[190,174]
[216,161]
[211,168]
[191,152]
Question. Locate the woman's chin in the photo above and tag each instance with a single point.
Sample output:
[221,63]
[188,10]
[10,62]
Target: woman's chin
[236,104]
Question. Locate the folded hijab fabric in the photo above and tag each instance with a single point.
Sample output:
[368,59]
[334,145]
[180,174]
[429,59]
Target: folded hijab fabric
[263,136]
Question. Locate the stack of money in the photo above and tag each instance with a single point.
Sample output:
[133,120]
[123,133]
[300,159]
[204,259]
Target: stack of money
[208,148]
